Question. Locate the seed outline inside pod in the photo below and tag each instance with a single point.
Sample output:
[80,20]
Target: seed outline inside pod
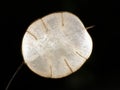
[56,45]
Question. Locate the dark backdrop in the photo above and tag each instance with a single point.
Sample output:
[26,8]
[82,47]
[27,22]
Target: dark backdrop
[102,69]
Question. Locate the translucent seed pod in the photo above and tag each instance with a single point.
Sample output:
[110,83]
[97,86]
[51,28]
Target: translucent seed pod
[56,45]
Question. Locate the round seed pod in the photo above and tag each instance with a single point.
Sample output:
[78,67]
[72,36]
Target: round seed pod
[56,45]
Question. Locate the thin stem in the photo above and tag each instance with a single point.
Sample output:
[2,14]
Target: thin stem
[17,70]
[90,27]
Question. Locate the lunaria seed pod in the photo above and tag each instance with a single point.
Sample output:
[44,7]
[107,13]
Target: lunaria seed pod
[56,45]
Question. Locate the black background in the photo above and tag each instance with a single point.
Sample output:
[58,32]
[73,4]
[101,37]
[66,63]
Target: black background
[102,69]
